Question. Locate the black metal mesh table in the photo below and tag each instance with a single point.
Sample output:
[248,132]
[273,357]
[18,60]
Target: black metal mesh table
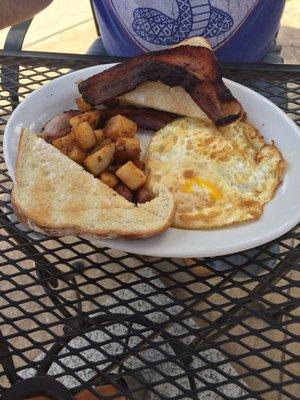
[75,318]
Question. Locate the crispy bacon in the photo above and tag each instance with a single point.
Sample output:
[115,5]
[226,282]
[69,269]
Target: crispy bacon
[146,118]
[58,126]
[194,68]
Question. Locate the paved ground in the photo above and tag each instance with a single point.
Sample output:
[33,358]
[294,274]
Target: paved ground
[289,34]
[67,26]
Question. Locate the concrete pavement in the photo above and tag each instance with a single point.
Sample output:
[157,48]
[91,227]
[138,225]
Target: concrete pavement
[66,26]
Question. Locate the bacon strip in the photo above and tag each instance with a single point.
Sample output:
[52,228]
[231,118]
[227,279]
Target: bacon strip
[192,67]
[146,118]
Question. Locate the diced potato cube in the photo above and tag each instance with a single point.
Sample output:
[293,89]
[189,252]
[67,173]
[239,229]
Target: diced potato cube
[64,143]
[77,154]
[127,149]
[131,175]
[120,126]
[105,142]
[85,135]
[109,179]
[99,161]
[82,105]
[99,146]
[74,121]
[92,117]
[99,134]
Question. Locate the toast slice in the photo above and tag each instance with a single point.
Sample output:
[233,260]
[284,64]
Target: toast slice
[54,195]
[159,96]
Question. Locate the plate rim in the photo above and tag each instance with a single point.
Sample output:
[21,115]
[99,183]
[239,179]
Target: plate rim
[123,244]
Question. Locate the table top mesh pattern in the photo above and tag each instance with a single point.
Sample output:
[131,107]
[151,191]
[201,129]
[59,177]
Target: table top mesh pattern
[155,328]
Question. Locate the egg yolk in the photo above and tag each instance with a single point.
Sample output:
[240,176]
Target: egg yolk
[189,186]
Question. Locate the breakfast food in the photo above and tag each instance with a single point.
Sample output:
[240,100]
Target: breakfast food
[194,68]
[218,177]
[55,195]
[86,173]
[162,97]
[111,154]
[59,125]
[146,118]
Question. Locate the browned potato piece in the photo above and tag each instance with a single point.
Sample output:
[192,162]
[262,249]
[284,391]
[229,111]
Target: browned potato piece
[98,161]
[120,126]
[140,164]
[92,117]
[77,154]
[74,121]
[114,167]
[85,135]
[132,176]
[109,179]
[105,142]
[64,143]
[99,146]
[127,149]
[99,134]
[123,191]
[143,195]
[82,105]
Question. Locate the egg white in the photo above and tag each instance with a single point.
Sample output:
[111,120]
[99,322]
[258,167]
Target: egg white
[218,177]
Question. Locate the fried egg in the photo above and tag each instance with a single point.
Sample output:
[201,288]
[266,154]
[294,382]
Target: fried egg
[218,176]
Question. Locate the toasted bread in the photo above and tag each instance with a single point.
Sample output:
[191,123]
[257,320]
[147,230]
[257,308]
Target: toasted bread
[54,195]
[159,96]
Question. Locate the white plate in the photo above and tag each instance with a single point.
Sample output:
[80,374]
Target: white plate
[280,215]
